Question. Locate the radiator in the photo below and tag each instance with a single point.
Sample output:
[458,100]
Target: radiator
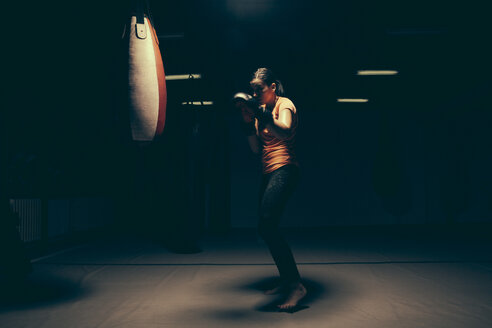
[30,218]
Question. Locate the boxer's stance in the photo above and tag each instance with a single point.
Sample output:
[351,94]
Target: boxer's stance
[270,123]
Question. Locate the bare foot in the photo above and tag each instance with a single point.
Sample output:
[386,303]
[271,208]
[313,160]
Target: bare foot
[296,293]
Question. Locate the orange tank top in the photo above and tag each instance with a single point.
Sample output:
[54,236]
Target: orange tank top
[277,153]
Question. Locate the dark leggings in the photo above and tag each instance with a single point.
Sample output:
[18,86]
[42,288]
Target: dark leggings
[276,189]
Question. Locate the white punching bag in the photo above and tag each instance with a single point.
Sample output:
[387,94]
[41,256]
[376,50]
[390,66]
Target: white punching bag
[147,96]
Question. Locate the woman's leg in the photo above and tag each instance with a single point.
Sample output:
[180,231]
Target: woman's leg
[276,189]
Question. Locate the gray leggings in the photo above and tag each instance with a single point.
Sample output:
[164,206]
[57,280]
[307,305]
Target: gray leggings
[276,189]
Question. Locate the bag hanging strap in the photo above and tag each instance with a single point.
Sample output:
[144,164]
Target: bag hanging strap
[141,31]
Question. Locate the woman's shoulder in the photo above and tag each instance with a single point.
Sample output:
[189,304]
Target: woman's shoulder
[285,102]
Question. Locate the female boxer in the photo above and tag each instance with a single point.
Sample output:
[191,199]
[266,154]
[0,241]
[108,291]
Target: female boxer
[271,127]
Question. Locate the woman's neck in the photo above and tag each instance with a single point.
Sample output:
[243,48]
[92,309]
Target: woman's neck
[273,103]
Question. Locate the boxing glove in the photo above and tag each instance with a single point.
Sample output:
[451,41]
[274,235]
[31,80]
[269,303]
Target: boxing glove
[247,103]
[242,98]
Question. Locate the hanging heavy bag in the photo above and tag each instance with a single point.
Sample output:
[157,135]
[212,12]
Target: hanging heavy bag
[147,96]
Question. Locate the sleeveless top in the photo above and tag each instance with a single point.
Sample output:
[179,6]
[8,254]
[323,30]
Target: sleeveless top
[277,153]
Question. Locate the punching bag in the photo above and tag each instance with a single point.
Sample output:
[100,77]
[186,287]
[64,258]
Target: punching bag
[147,96]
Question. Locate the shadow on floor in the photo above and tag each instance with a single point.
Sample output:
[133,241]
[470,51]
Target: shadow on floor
[39,291]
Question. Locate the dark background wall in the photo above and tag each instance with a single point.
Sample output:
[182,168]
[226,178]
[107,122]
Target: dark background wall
[417,152]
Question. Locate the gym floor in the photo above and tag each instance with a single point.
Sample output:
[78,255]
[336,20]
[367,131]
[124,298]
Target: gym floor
[355,278]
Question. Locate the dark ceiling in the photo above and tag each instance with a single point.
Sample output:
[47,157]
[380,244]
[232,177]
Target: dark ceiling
[62,54]
[60,60]
[438,48]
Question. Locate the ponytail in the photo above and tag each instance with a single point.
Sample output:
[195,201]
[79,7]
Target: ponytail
[267,76]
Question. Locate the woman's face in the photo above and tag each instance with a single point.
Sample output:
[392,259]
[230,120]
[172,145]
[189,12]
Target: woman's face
[263,93]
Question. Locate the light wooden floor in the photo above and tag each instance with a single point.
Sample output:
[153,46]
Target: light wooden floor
[353,280]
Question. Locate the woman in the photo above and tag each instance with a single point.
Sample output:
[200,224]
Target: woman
[271,126]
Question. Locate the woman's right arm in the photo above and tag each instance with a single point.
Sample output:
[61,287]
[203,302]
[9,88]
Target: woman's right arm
[254,143]
[250,127]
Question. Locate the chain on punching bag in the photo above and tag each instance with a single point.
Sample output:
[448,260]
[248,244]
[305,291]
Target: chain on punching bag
[147,96]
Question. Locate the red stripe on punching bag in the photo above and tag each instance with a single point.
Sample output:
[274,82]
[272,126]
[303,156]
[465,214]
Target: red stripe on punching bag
[161,78]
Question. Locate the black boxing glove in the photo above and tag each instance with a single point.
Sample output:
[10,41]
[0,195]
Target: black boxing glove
[264,115]
[246,99]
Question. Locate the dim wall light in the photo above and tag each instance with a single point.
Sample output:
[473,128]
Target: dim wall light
[183,77]
[352,100]
[375,72]
[198,103]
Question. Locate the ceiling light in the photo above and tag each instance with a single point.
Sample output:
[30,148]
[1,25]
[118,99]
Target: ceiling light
[183,77]
[352,100]
[376,72]
[198,103]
